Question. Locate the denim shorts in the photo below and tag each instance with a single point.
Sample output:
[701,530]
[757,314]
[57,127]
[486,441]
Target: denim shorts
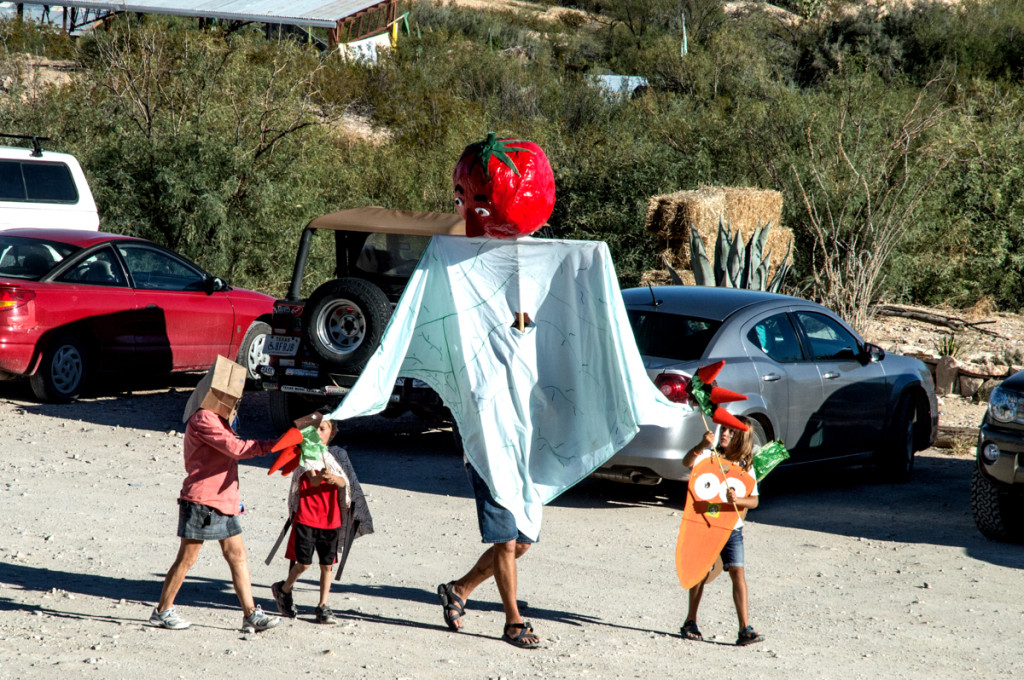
[497,524]
[203,523]
[732,553]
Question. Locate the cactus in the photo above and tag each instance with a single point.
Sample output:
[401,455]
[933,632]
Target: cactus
[702,273]
[737,265]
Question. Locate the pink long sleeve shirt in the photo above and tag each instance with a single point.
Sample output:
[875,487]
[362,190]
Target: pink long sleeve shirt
[212,452]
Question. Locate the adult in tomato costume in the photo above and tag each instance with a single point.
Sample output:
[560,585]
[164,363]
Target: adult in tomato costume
[504,188]
[528,343]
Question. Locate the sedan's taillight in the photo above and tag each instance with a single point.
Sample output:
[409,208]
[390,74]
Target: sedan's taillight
[673,386]
[12,298]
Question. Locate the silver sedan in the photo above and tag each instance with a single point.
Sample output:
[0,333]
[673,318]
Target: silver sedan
[810,380]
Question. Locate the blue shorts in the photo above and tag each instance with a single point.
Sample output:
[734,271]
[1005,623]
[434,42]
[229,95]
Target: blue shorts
[497,525]
[203,523]
[732,553]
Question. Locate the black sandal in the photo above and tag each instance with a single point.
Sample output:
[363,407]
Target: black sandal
[526,631]
[454,607]
[748,636]
[689,631]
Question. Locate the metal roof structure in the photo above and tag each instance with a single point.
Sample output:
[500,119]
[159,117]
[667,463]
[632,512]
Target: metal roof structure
[302,13]
[339,16]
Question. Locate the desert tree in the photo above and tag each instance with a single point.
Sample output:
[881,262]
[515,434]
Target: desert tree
[203,138]
[867,166]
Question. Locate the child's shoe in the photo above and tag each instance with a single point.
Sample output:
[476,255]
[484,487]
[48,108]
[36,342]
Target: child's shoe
[325,615]
[285,603]
[258,621]
[749,636]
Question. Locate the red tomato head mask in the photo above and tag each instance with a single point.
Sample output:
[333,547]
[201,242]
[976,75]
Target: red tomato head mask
[504,188]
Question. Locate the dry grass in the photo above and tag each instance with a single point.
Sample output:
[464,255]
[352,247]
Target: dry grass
[35,74]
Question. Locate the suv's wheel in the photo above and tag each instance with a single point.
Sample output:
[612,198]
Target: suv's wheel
[286,407]
[996,509]
[250,353]
[898,456]
[62,371]
[345,320]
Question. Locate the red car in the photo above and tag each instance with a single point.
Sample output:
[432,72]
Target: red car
[76,304]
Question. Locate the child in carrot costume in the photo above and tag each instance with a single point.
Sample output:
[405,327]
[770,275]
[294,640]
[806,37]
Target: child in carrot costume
[736,445]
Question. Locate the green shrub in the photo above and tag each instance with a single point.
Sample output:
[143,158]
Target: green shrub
[223,145]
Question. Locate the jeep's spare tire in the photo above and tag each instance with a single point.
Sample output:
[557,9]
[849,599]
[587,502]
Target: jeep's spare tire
[344,322]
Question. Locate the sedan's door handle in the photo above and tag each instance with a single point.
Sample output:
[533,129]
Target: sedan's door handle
[831,375]
[771,377]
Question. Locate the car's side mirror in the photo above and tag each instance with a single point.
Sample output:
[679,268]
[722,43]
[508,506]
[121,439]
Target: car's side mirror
[214,284]
[871,353]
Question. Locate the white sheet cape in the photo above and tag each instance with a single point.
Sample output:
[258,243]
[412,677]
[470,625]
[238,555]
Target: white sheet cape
[538,410]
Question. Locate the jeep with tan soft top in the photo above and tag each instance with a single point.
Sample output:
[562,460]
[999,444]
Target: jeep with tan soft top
[319,344]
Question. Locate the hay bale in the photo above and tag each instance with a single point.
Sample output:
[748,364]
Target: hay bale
[670,218]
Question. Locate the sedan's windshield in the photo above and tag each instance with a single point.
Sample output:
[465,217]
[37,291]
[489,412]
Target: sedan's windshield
[671,336]
[30,258]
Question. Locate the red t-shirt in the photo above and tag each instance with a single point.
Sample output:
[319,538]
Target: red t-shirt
[318,505]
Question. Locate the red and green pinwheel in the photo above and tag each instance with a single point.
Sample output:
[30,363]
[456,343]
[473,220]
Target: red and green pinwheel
[708,396]
[708,400]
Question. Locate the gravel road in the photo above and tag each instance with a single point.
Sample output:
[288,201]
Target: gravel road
[849,578]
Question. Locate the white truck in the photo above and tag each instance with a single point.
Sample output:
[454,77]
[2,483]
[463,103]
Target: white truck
[43,189]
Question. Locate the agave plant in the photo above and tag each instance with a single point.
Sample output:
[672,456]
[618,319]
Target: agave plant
[737,265]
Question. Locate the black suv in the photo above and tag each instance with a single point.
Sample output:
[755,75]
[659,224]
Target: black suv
[997,482]
[320,344]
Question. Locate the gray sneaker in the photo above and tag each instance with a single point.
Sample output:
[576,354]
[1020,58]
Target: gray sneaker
[258,621]
[325,615]
[285,603]
[168,619]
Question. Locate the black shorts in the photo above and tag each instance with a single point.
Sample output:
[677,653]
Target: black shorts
[306,539]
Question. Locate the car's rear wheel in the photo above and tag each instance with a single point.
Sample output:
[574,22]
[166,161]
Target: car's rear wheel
[62,371]
[898,455]
[758,434]
[998,510]
[345,321]
[250,353]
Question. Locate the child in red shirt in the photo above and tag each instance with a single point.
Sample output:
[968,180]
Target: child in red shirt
[316,526]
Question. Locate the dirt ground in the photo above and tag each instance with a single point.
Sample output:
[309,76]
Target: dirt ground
[848,577]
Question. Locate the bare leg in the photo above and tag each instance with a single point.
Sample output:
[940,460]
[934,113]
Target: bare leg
[325,583]
[293,575]
[234,552]
[695,595]
[188,552]
[739,594]
[506,578]
[483,570]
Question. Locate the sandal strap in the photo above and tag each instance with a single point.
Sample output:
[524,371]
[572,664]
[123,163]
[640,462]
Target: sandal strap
[455,603]
[525,626]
